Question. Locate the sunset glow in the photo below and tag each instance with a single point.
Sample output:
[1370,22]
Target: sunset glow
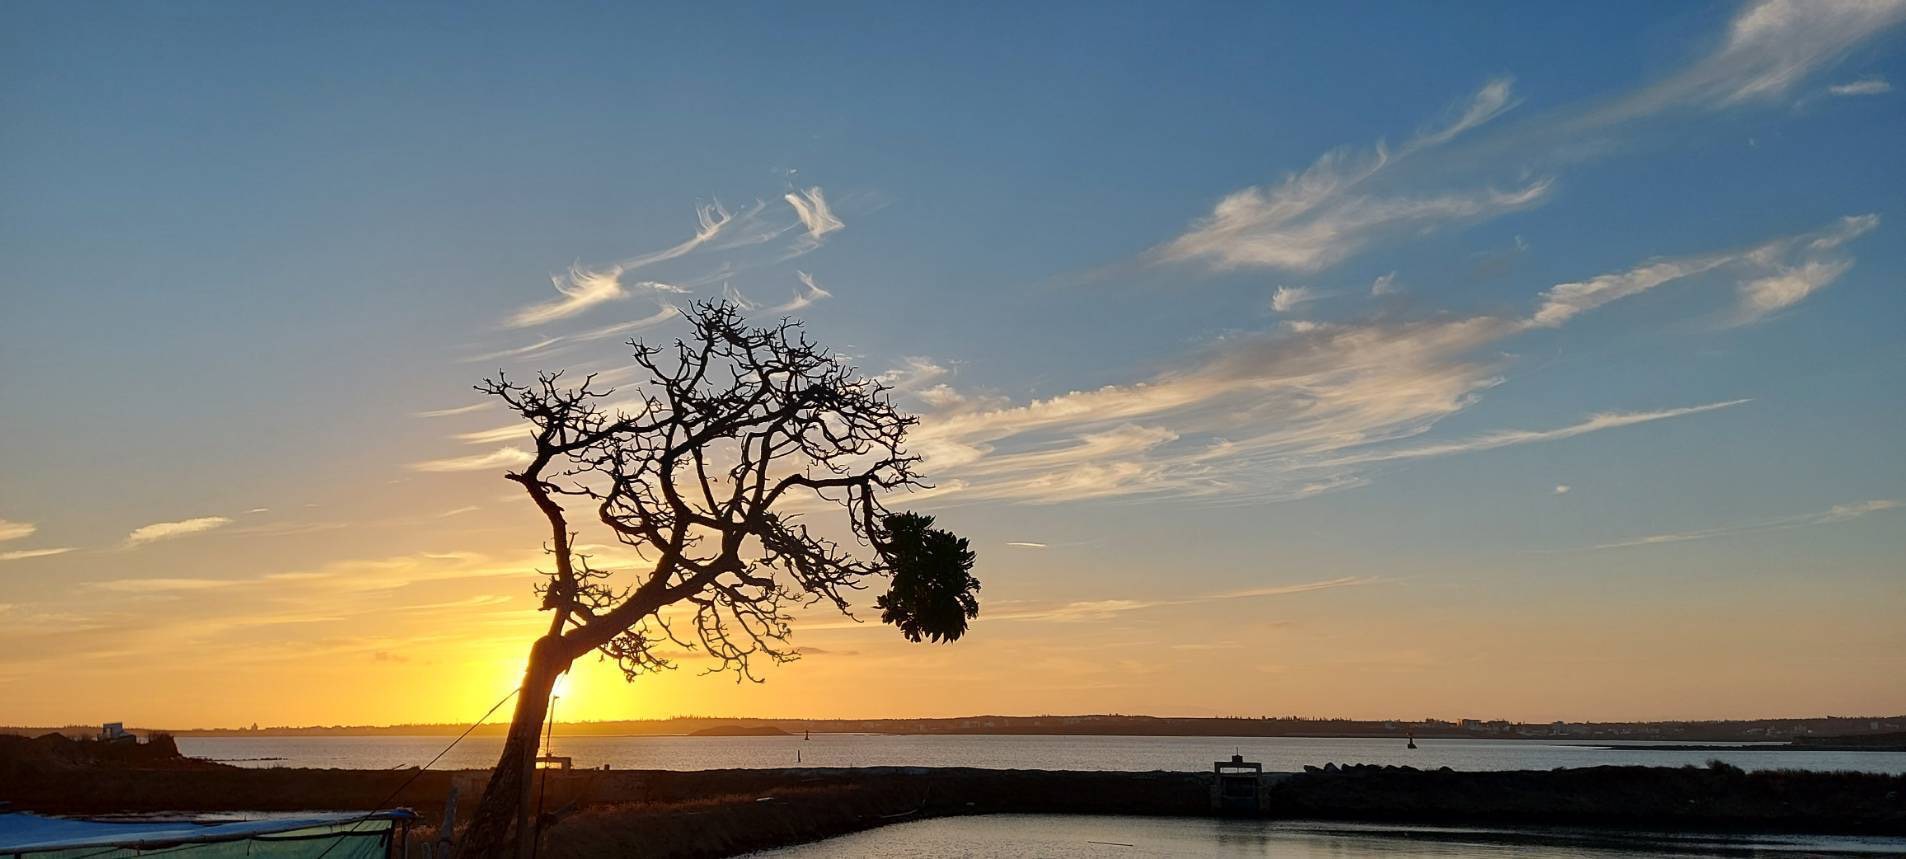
[1339,372]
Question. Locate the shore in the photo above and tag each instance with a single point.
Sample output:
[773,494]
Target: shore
[726,812]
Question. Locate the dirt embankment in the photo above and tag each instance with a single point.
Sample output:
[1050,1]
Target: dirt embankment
[726,812]
[1717,796]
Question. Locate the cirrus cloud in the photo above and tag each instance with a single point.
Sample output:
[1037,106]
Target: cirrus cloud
[173,530]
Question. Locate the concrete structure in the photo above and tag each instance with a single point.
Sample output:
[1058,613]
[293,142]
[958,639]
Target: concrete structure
[1239,787]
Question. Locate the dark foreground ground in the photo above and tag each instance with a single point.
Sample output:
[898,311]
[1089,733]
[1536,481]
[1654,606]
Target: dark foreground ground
[725,812]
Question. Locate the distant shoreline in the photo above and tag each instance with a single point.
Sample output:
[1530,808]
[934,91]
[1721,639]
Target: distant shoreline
[1735,731]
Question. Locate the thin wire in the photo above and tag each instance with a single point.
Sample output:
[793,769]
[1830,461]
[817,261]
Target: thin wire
[368,816]
[420,770]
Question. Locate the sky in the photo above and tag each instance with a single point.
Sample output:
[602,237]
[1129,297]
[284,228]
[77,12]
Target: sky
[1402,360]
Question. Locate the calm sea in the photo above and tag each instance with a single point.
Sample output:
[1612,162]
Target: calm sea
[1278,754]
[1013,835]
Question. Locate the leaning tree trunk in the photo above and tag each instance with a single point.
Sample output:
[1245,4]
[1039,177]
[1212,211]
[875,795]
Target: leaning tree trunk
[504,811]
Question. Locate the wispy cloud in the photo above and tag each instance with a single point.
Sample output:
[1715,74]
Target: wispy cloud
[667,312]
[1563,302]
[1775,274]
[1348,200]
[1286,298]
[1562,488]
[10,530]
[162,585]
[517,352]
[1106,609]
[1863,86]
[1506,438]
[172,530]
[1294,412]
[1495,97]
[25,554]
[1834,514]
[1317,218]
[1384,285]
[1770,46]
[811,207]
[1799,267]
[507,432]
[805,295]
[502,457]
[454,411]
[581,288]
[1023,544]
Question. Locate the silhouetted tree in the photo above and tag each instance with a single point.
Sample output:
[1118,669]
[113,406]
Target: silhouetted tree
[710,473]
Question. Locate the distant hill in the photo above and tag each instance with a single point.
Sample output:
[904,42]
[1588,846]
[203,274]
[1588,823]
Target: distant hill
[740,731]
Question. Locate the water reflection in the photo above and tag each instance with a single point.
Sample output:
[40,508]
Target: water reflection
[1005,835]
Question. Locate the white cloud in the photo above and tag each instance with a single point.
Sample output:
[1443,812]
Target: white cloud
[1343,203]
[171,530]
[733,296]
[451,412]
[24,554]
[582,288]
[1317,218]
[667,312]
[1289,413]
[10,530]
[1022,544]
[918,373]
[1864,86]
[1106,609]
[1384,285]
[1786,288]
[517,352]
[1835,514]
[507,432]
[162,585]
[502,457]
[805,295]
[811,207]
[1491,101]
[1505,438]
[1286,298]
[1563,302]
[1843,512]
[1248,421]
[1798,267]
[1778,274]
[1562,488]
[1771,45]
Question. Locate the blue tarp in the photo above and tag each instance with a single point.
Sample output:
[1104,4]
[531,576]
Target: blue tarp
[342,834]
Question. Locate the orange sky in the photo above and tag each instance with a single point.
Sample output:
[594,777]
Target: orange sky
[1473,366]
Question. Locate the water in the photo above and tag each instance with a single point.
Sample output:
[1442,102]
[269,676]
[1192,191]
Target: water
[1016,835]
[1278,754]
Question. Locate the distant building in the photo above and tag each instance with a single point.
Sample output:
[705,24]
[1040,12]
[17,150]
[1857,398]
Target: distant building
[113,732]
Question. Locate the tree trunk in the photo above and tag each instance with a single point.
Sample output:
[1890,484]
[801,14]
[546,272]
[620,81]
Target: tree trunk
[503,813]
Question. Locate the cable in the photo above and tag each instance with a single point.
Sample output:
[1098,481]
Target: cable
[373,812]
[420,770]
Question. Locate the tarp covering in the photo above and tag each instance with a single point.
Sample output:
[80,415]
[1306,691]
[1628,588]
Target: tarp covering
[344,835]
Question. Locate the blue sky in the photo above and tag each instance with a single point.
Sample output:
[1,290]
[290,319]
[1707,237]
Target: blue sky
[1461,339]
